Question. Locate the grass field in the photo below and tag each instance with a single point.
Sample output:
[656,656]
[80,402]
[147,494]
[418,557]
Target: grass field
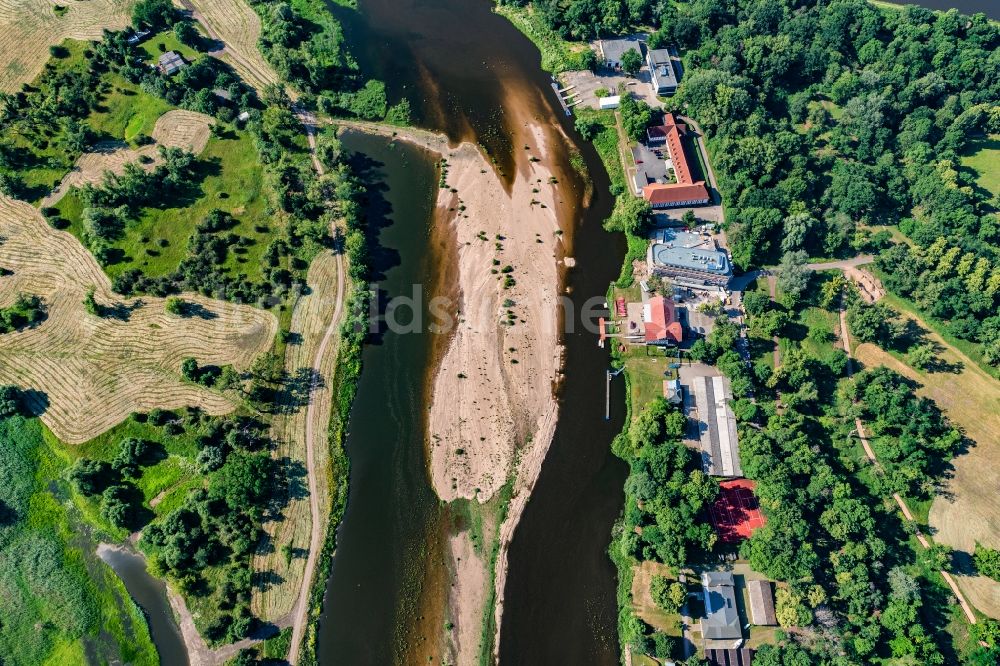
[125,111]
[236,24]
[983,158]
[93,371]
[231,179]
[969,510]
[61,604]
[29,27]
[174,129]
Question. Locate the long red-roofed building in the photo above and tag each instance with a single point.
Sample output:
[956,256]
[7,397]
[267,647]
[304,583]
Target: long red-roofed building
[686,191]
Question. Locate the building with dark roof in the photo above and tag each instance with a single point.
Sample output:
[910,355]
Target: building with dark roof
[663,78]
[612,50]
[761,603]
[686,191]
[732,657]
[722,618]
[720,451]
[170,62]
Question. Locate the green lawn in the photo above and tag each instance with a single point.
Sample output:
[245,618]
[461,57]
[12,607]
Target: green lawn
[125,111]
[231,179]
[159,44]
[983,157]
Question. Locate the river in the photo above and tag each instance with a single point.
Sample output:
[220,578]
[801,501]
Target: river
[463,68]
[151,596]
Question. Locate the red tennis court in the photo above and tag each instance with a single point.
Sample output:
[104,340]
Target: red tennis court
[736,512]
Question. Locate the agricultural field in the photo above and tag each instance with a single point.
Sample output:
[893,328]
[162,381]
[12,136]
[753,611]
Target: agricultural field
[62,604]
[29,27]
[290,532]
[983,158]
[237,25]
[95,370]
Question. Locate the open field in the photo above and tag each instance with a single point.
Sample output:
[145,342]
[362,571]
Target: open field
[174,129]
[230,178]
[292,528]
[237,25]
[93,371]
[642,600]
[29,27]
[969,509]
[983,157]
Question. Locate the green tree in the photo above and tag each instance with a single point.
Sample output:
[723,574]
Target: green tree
[10,401]
[153,14]
[631,62]
[174,305]
[631,215]
[922,356]
[987,561]
[793,274]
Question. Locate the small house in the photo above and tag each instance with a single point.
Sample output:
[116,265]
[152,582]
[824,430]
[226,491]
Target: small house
[170,63]
[612,50]
[660,323]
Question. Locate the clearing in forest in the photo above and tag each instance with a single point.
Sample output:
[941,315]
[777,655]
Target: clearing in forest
[235,24]
[983,157]
[29,27]
[969,508]
[174,129]
[90,372]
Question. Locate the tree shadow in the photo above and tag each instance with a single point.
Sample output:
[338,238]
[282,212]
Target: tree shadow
[191,309]
[120,311]
[34,403]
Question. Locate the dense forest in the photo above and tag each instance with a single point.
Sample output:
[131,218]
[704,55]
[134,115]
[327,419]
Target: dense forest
[830,123]
[829,118]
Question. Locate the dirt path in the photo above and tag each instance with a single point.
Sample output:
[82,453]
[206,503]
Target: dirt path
[845,338]
[317,530]
[843,264]
[772,285]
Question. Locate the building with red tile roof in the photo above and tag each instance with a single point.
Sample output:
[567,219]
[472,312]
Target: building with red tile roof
[686,191]
[660,322]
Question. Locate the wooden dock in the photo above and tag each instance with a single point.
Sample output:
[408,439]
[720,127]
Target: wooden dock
[562,102]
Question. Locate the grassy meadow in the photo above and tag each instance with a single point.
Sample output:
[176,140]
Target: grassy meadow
[61,603]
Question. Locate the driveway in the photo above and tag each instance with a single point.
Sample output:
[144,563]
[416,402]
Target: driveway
[584,84]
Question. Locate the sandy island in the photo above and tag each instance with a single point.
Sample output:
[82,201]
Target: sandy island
[493,410]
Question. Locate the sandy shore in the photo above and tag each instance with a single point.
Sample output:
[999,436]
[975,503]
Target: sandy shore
[493,411]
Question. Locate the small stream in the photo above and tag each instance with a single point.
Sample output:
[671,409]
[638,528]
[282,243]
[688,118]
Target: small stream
[151,595]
